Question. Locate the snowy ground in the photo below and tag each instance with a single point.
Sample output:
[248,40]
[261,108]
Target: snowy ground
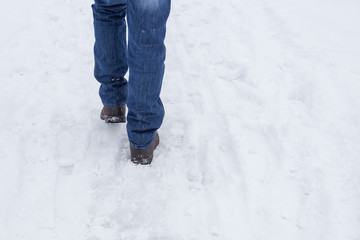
[261,138]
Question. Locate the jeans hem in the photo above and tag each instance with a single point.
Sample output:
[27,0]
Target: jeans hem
[113,105]
[142,147]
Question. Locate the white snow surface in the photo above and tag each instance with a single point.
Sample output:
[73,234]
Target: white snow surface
[261,138]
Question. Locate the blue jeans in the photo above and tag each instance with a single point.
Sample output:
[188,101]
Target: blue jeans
[144,56]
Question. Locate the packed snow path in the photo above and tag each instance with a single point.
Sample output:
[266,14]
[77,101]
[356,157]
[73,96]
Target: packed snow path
[260,141]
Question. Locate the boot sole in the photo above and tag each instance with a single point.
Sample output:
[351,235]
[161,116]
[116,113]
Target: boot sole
[143,161]
[113,119]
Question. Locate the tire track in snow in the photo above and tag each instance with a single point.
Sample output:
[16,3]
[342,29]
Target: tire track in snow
[301,82]
[218,169]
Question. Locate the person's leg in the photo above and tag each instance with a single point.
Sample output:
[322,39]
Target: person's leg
[146,55]
[110,51]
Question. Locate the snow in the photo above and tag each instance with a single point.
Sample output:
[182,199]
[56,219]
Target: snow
[260,141]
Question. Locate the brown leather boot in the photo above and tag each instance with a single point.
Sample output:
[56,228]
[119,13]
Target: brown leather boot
[144,156]
[113,114]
